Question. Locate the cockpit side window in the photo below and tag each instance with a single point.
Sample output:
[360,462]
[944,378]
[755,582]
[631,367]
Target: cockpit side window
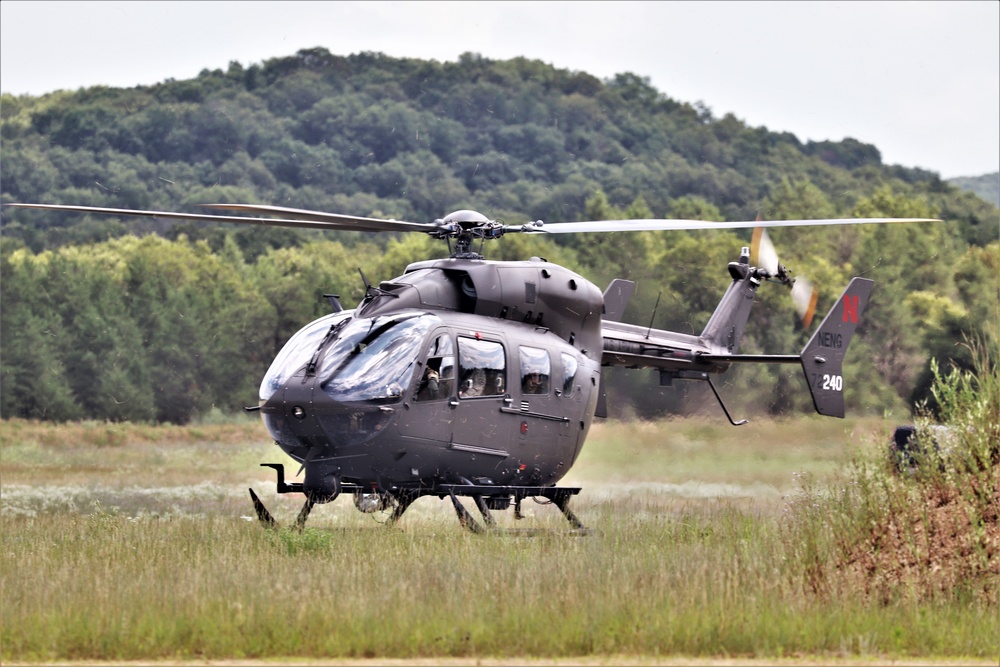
[482,368]
[438,378]
[535,370]
[570,365]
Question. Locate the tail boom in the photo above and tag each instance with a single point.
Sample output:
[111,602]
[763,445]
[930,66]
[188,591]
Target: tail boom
[691,357]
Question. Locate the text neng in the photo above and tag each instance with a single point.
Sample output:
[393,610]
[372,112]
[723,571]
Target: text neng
[832,340]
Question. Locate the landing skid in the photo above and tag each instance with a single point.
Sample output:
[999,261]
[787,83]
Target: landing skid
[501,495]
[487,497]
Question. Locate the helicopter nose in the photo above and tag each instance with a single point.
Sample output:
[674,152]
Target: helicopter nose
[290,415]
[297,397]
[310,425]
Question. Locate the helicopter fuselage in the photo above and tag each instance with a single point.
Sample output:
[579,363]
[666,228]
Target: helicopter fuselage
[459,371]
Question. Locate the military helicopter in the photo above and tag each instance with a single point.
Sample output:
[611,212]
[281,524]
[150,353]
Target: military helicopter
[466,377]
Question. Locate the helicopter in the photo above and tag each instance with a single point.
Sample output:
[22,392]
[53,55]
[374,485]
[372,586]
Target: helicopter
[472,378]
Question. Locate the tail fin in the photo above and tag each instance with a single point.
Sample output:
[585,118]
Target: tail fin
[823,356]
[616,297]
[725,327]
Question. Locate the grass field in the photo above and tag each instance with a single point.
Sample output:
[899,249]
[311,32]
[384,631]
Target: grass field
[128,542]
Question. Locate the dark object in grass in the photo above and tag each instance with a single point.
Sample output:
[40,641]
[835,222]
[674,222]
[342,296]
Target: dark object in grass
[912,446]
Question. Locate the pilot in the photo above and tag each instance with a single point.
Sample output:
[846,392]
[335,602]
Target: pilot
[475,384]
[430,384]
[532,383]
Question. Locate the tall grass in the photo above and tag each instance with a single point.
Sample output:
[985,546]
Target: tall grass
[759,570]
[701,583]
[926,533]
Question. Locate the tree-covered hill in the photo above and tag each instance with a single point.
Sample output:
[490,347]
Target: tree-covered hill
[413,139]
[986,186]
[184,323]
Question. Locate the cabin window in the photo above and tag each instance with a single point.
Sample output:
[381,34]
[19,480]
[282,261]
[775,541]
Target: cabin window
[438,376]
[535,370]
[570,365]
[482,368]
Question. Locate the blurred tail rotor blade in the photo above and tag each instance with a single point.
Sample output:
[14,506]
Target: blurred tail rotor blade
[764,256]
[762,252]
[804,297]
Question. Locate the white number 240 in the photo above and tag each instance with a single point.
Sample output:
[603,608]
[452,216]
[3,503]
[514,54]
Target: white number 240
[833,382]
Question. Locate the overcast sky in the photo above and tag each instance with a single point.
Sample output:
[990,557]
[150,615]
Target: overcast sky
[919,80]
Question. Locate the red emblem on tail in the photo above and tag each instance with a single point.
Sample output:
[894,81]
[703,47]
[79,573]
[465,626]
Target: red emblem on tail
[851,308]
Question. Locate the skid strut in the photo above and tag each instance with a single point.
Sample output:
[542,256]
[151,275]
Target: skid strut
[560,497]
[464,517]
[262,514]
[282,486]
[486,497]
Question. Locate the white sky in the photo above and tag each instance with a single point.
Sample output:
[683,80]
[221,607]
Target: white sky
[919,80]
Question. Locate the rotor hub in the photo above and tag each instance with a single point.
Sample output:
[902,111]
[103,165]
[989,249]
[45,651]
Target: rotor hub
[465,218]
[465,226]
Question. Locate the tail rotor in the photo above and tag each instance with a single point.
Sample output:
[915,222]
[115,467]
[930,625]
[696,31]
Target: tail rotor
[765,257]
[804,298]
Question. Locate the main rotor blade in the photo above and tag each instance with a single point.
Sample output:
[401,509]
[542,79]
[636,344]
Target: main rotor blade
[318,220]
[667,225]
[344,222]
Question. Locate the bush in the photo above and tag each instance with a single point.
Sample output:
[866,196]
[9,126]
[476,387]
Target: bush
[926,532]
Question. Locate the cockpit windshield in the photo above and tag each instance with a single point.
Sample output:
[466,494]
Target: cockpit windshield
[297,352]
[373,359]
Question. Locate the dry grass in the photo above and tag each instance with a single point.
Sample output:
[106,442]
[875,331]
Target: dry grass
[148,557]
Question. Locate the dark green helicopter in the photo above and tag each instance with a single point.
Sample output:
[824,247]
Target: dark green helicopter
[479,378]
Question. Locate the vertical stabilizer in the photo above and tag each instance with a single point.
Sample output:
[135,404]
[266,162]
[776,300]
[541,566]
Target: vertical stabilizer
[725,328]
[616,298]
[823,356]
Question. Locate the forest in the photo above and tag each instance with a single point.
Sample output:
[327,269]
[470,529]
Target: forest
[152,321]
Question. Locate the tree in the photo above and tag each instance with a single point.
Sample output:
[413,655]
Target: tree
[953,326]
[693,207]
[33,381]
